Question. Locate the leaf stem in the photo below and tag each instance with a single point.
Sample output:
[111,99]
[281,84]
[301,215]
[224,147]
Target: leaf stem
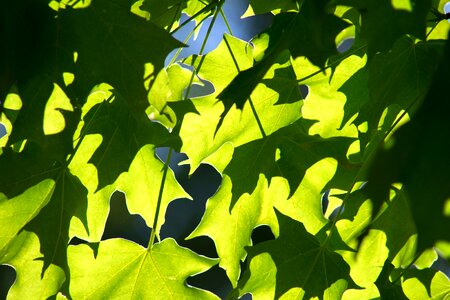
[175,15]
[158,203]
[174,58]
[169,155]
[202,49]
[332,64]
[255,113]
[225,20]
[208,7]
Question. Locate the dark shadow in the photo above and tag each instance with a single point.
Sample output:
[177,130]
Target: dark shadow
[202,245]
[7,278]
[325,201]
[261,234]
[121,224]
[182,215]
[214,280]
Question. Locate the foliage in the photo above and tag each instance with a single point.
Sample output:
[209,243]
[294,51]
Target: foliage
[353,195]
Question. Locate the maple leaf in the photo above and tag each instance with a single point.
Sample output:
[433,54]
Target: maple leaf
[113,45]
[395,81]
[289,153]
[419,160]
[123,268]
[238,127]
[164,14]
[426,283]
[310,32]
[24,253]
[12,222]
[382,24]
[122,136]
[295,265]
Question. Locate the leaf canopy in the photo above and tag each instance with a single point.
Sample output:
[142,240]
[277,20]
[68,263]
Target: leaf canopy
[342,154]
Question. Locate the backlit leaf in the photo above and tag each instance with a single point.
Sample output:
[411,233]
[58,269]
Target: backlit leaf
[124,269]
[295,265]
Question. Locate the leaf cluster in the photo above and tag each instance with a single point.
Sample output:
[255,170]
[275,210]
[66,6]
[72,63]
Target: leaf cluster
[344,155]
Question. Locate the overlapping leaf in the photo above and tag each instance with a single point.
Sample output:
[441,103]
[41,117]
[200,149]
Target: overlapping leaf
[112,46]
[396,81]
[68,152]
[419,158]
[238,127]
[258,209]
[289,153]
[140,172]
[249,212]
[18,211]
[166,97]
[121,133]
[25,255]
[382,23]
[295,265]
[310,33]
[427,283]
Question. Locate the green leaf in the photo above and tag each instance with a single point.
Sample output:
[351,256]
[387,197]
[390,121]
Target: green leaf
[141,187]
[418,158]
[328,101]
[166,96]
[122,136]
[36,117]
[21,170]
[295,265]
[388,289]
[51,225]
[251,211]
[86,99]
[426,284]
[113,46]
[18,211]
[132,147]
[396,82]
[238,127]
[124,269]
[163,14]
[289,153]
[256,209]
[399,229]
[31,282]
[310,33]
[382,24]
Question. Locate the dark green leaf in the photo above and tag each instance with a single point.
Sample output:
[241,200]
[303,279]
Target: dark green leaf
[289,153]
[419,159]
[388,289]
[295,265]
[113,45]
[382,24]
[310,33]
